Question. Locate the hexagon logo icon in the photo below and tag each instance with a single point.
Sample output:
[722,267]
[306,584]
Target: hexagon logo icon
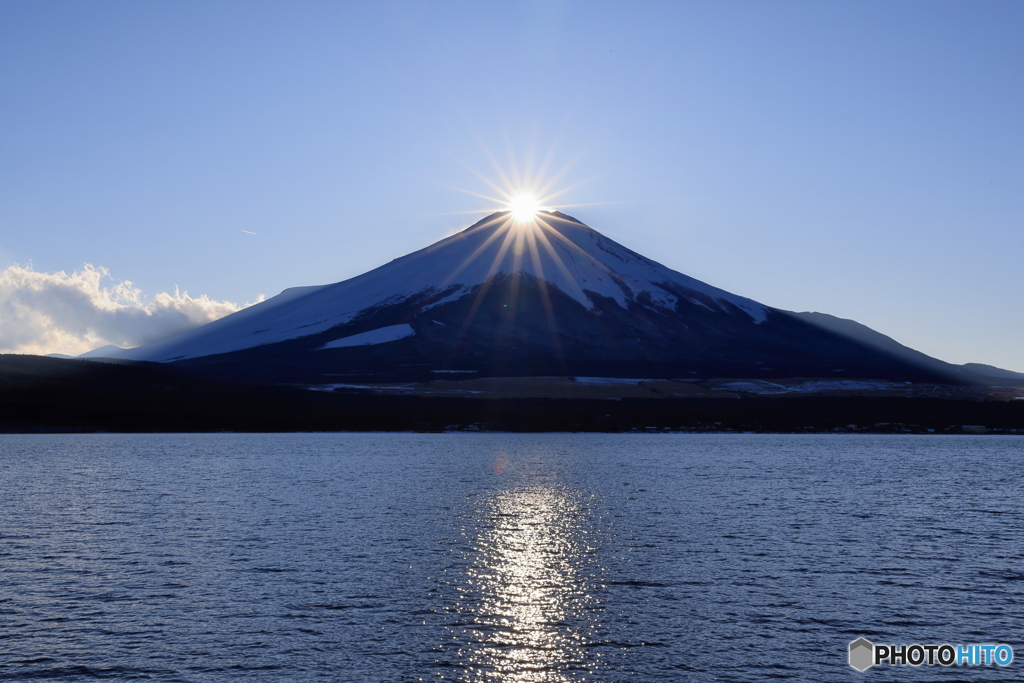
[862,654]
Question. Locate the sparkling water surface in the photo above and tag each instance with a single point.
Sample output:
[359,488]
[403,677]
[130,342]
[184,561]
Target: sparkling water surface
[504,557]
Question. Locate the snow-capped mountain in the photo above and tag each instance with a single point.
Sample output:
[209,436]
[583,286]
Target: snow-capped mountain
[550,296]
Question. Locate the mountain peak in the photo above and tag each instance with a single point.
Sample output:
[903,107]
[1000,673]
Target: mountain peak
[556,250]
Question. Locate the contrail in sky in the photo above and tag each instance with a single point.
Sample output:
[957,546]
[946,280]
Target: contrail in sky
[248,233]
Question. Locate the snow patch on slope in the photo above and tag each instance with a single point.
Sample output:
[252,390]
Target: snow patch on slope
[641,274]
[379,336]
[764,387]
[609,380]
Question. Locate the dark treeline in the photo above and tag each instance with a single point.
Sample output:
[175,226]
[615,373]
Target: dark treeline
[52,395]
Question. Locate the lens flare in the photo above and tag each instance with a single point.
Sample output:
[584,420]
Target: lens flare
[524,207]
[525,235]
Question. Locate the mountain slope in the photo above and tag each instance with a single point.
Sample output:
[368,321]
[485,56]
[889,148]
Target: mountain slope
[970,372]
[571,257]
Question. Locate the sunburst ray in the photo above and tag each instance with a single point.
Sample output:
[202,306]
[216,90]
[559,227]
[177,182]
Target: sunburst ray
[523,238]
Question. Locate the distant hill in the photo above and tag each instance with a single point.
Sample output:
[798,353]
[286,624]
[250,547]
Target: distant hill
[990,371]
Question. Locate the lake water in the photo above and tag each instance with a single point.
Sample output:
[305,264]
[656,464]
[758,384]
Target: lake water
[504,557]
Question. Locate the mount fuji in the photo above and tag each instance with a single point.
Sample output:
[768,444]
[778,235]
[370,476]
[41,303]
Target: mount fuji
[547,296]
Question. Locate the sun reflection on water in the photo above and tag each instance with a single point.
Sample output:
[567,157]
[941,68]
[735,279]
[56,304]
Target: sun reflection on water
[527,597]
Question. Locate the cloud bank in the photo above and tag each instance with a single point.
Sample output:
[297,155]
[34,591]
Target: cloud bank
[73,313]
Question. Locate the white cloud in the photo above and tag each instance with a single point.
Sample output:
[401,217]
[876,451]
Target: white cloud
[73,312]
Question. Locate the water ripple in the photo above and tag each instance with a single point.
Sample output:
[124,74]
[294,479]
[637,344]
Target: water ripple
[480,557]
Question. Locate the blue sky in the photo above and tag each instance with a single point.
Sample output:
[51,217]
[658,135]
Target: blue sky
[860,159]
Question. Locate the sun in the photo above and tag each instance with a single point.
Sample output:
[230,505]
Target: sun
[524,207]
